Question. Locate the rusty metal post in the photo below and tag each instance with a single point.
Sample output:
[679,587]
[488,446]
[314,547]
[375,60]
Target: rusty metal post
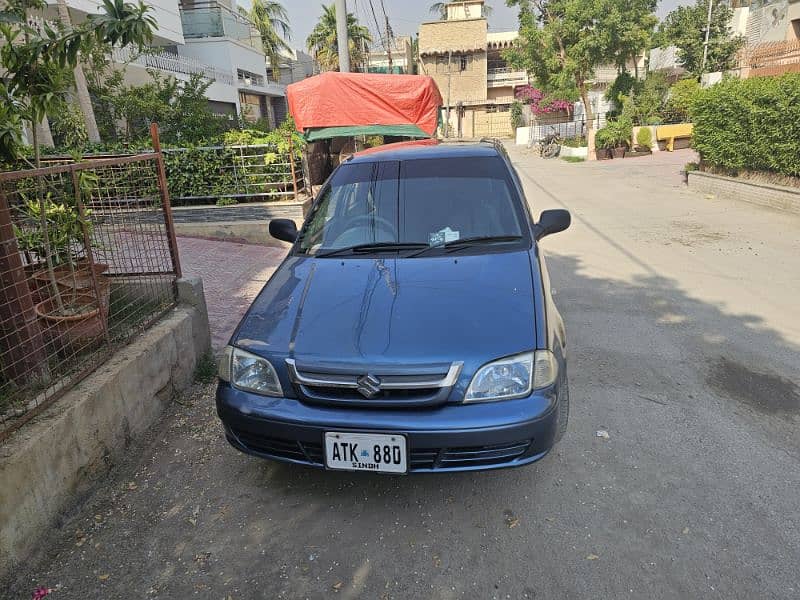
[291,163]
[165,205]
[87,245]
[22,348]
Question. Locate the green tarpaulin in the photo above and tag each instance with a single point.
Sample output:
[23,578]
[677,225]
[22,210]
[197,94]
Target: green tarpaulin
[324,133]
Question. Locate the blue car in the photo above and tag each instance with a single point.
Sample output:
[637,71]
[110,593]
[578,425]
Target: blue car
[411,327]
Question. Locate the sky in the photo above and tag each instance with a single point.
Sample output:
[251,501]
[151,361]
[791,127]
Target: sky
[404,15]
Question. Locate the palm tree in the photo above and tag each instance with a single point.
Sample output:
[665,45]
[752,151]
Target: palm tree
[440,9]
[323,43]
[272,22]
[81,89]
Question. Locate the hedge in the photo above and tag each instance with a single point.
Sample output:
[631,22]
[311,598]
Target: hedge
[750,124]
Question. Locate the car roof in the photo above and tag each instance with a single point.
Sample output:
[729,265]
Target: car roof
[424,149]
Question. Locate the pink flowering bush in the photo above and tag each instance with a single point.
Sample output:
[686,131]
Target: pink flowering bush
[533,96]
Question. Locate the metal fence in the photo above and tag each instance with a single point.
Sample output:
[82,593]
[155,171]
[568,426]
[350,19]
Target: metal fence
[566,129]
[255,172]
[88,259]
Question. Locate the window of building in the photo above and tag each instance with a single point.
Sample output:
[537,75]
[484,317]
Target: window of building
[491,108]
[463,62]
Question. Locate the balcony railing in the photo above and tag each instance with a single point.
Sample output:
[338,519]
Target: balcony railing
[505,76]
[172,63]
[248,79]
[771,58]
[211,19]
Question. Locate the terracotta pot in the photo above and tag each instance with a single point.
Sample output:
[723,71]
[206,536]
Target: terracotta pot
[74,331]
[82,282]
[619,152]
[35,285]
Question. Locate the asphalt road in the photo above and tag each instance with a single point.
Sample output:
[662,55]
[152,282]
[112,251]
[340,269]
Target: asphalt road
[684,340]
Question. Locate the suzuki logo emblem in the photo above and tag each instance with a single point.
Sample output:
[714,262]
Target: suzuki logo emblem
[369,386]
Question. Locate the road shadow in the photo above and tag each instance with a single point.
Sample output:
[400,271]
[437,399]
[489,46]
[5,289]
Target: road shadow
[685,390]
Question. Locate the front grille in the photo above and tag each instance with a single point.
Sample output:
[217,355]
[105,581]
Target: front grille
[473,456]
[408,398]
[418,460]
[290,449]
[378,387]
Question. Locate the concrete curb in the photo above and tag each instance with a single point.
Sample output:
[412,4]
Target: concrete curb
[772,196]
[51,460]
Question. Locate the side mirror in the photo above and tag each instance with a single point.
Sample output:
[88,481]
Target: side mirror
[552,221]
[283,229]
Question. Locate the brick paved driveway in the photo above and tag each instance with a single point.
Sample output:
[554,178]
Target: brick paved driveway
[232,273]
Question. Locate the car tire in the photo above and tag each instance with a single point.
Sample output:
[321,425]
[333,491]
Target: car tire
[563,411]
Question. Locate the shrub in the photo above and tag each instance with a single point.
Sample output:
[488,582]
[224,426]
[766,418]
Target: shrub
[621,88]
[618,133]
[604,138]
[516,114]
[644,137]
[750,124]
[69,128]
[681,97]
[574,142]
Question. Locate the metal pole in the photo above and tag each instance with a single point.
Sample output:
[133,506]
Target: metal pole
[447,125]
[165,205]
[708,33]
[22,346]
[342,41]
[388,44]
[291,163]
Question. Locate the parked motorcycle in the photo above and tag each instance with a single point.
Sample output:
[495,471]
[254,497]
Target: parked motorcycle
[550,145]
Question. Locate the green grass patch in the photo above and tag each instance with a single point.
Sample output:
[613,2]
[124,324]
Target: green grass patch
[573,159]
[206,369]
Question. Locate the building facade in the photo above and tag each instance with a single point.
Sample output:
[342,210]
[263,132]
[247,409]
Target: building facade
[465,60]
[397,59]
[206,37]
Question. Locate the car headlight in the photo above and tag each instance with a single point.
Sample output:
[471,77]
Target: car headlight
[513,377]
[249,372]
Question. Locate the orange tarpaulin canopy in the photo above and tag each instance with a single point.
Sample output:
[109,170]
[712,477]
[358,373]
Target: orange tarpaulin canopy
[364,100]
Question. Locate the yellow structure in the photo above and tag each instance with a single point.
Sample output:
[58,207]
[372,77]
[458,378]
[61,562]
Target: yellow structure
[668,133]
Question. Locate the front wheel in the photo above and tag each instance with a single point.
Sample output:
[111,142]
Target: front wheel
[551,150]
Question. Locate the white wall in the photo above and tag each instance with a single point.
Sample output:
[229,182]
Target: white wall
[225,54]
[165,12]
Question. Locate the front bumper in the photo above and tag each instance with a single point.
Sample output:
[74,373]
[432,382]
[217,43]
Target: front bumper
[452,437]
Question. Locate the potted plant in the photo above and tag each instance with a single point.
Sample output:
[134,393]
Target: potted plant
[619,133]
[644,140]
[603,143]
[72,292]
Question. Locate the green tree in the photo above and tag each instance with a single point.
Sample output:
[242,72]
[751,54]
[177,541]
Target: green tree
[179,107]
[562,42]
[36,57]
[323,43]
[685,27]
[272,23]
[440,9]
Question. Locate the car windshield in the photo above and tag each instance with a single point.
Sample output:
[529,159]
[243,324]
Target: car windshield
[392,205]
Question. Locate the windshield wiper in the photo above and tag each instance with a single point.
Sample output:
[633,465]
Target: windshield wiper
[470,241]
[372,247]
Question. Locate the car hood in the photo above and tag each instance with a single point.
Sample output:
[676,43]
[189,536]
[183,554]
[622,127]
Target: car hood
[394,310]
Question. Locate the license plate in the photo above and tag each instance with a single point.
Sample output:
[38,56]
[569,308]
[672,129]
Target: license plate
[365,452]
